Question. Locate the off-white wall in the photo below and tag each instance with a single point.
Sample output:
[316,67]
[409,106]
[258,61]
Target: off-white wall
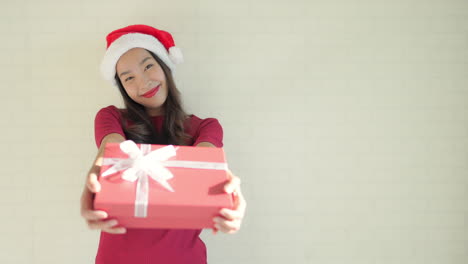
[346,120]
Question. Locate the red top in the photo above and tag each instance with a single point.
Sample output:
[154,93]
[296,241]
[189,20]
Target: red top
[145,246]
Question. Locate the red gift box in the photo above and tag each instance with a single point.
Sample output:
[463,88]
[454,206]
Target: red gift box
[190,196]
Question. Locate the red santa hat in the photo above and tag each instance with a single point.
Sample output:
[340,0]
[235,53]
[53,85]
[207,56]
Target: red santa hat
[139,36]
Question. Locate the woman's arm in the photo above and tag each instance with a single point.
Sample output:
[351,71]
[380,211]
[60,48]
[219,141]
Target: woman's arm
[94,218]
[205,144]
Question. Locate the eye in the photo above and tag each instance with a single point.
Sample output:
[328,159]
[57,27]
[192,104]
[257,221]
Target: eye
[129,78]
[148,66]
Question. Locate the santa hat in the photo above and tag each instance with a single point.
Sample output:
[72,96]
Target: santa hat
[139,36]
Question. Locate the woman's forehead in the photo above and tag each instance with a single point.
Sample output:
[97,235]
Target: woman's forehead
[132,57]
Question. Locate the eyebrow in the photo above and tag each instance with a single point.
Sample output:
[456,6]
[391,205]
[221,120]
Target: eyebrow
[143,61]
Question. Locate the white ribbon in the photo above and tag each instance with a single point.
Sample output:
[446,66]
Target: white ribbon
[143,162]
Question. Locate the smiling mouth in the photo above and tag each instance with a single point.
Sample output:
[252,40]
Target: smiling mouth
[152,92]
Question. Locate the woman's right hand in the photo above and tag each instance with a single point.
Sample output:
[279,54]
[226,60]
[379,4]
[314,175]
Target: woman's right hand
[97,219]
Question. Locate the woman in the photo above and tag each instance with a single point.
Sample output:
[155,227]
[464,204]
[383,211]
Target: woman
[140,61]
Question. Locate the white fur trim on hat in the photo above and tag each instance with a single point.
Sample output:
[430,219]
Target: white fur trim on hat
[176,55]
[130,41]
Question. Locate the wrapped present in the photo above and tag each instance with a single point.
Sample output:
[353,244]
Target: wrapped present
[162,186]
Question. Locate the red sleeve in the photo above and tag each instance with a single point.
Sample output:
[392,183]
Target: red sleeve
[107,121]
[208,130]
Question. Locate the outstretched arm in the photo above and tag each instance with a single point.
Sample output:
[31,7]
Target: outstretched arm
[95,218]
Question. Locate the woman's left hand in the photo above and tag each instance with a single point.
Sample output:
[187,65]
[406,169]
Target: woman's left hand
[230,220]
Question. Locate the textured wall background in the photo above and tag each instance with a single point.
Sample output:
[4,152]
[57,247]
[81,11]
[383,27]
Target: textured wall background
[346,120]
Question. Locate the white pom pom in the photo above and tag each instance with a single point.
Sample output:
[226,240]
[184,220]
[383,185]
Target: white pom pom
[176,55]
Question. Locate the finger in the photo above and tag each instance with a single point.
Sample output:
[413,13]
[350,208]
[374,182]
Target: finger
[98,224]
[93,183]
[231,214]
[232,185]
[109,226]
[226,223]
[229,227]
[99,161]
[87,207]
[116,230]
[94,215]
[239,201]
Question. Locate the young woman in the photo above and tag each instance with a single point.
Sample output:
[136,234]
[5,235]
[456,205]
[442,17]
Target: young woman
[140,61]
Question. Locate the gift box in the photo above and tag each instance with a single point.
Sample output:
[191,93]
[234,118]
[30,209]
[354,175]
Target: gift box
[162,186]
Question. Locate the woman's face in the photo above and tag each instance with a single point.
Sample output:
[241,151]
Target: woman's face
[143,79]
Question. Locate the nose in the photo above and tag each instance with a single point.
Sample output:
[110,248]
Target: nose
[145,84]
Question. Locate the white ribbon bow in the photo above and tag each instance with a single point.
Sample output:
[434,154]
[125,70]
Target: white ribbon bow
[143,162]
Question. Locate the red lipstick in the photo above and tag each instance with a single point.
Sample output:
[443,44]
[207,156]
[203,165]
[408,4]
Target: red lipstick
[151,92]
